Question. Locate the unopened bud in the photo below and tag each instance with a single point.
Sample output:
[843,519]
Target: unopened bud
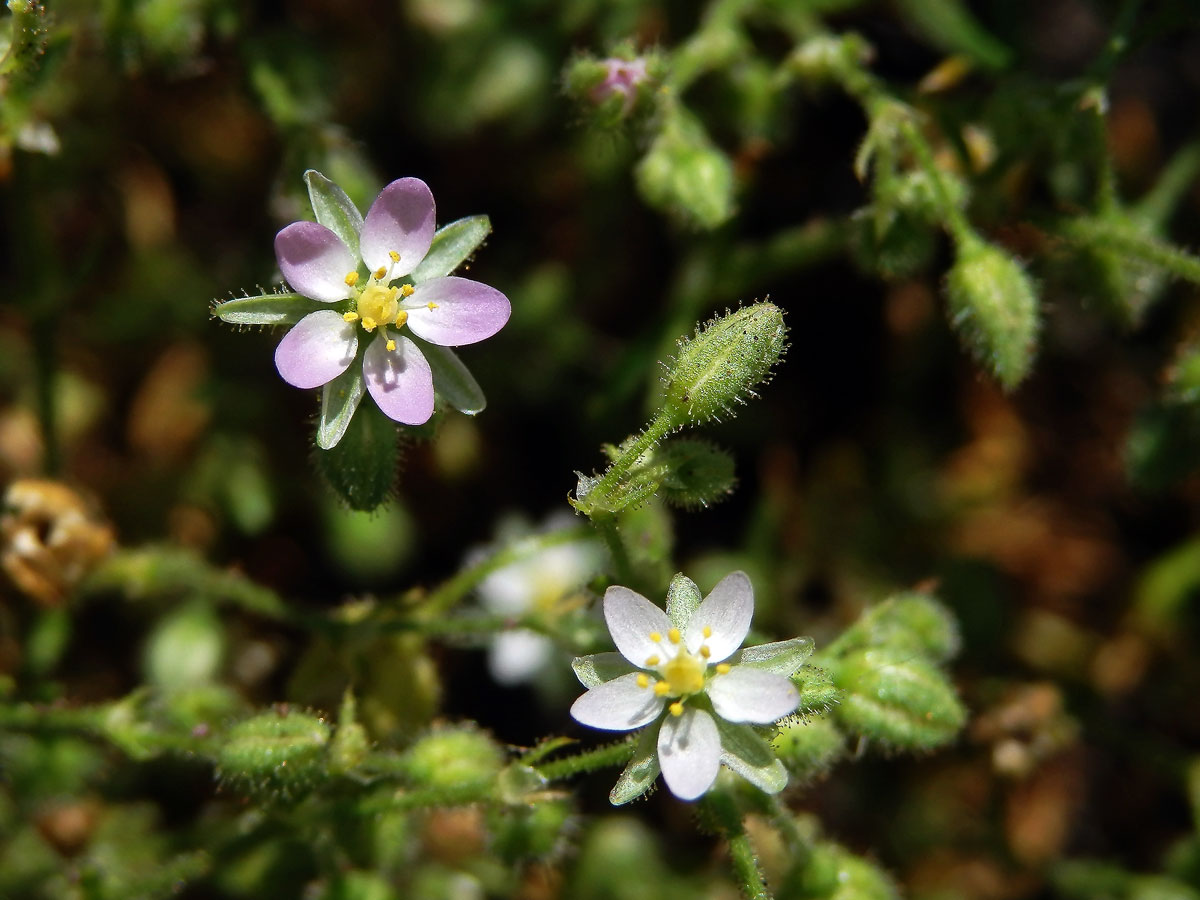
[613,86]
[723,363]
[685,174]
[452,757]
[995,309]
[276,755]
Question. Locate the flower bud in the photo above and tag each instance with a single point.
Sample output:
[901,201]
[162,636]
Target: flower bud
[911,621]
[809,747]
[722,363]
[833,872]
[613,86]
[685,174]
[995,309]
[452,757]
[274,755]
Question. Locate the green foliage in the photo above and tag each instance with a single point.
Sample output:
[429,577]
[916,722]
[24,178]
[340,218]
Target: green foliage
[276,756]
[453,757]
[684,173]
[363,466]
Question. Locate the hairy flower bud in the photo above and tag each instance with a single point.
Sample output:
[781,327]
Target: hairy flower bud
[451,757]
[685,174]
[995,309]
[276,755]
[724,362]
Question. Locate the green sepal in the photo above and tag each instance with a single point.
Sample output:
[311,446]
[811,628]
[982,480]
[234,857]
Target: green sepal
[339,400]
[275,755]
[452,245]
[695,473]
[683,598]
[809,747]
[452,380]
[642,769]
[276,308]
[781,657]
[745,753]
[818,693]
[362,467]
[600,667]
[333,209]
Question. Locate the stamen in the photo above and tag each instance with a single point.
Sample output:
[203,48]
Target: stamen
[401,317]
[676,708]
[350,317]
[379,273]
[723,668]
[704,651]
[431,305]
[352,279]
[673,635]
[655,636]
[661,688]
[407,290]
[652,660]
[394,256]
[707,631]
[643,680]
[391,345]
[368,323]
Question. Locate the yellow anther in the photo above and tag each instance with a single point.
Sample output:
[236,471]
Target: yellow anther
[352,279]
[391,345]
[643,680]
[673,635]
[401,317]
[379,273]
[350,317]
[655,636]
[676,708]
[652,660]
[705,652]
[707,631]
[723,669]
[407,290]
[368,323]
[661,688]
[394,256]
[431,305]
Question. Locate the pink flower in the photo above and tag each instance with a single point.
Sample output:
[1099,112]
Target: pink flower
[393,239]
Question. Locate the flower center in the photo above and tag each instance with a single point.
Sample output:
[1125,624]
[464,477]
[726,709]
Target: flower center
[684,673]
[377,305]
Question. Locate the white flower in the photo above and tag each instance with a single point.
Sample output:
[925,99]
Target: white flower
[540,584]
[682,673]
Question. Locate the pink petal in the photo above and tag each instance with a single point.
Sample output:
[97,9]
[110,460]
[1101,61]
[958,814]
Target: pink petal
[318,349]
[314,261]
[400,219]
[399,380]
[462,312]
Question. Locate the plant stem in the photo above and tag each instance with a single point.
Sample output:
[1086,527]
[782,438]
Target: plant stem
[725,815]
[602,757]
[606,524]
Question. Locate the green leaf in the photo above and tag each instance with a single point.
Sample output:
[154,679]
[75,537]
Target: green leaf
[452,245]
[362,467]
[334,209]
[748,755]
[683,597]
[781,657]
[600,667]
[452,380]
[283,308]
[639,775]
[339,400]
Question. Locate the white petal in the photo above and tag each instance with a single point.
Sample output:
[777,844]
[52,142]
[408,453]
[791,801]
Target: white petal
[689,752]
[631,620]
[752,695]
[727,610]
[618,705]
[519,655]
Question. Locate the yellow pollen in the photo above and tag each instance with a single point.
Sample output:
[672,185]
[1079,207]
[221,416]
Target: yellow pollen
[379,273]
[655,636]
[643,680]
[676,708]
[723,669]
[661,688]
[705,652]
[391,345]
[673,635]
[401,317]
[652,660]
[431,305]
[684,673]
[394,256]
[352,279]
[350,317]
[407,290]
[707,631]
[368,323]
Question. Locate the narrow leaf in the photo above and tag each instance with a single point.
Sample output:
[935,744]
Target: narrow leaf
[334,209]
[267,309]
[452,380]
[748,755]
[452,245]
[639,775]
[339,400]
[682,599]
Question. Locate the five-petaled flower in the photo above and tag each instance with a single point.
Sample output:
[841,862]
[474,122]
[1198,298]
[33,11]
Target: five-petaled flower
[682,672]
[393,239]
